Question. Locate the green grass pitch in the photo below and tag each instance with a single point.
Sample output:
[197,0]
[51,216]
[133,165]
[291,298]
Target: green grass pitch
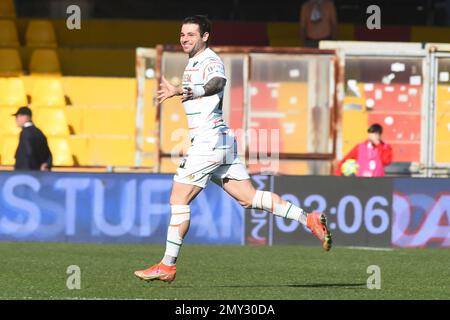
[38,271]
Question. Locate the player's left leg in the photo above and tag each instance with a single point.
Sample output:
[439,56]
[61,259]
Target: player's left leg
[191,178]
[244,192]
[181,196]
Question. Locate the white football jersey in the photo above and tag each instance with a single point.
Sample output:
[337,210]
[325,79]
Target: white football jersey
[204,114]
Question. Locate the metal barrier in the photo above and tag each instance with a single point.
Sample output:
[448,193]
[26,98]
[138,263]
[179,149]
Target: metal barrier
[280,103]
[321,101]
[404,87]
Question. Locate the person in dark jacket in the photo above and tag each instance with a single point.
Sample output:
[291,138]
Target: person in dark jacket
[32,152]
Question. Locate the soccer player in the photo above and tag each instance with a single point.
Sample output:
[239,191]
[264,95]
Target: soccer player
[213,151]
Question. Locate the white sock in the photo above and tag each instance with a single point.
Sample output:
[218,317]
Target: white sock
[290,211]
[180,214]
[263,200]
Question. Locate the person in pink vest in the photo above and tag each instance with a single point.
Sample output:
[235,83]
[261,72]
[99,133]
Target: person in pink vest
[371,155]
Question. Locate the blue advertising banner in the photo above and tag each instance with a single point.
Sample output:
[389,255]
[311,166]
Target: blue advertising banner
[109,207]
[120,207]
[421,213]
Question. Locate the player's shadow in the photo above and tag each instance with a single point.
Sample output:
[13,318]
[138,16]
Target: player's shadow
[309,285]
[328,285]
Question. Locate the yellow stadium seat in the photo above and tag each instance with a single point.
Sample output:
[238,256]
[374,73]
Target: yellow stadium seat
[44,61]
[109,92]
[111,151]
[10,63]
[78,146]
[62,156]
[8,149]
[52,121]
[40,33]
[102,120]
[7,9]
[12,93]
[8,34]
[75,117]
[7,122]
[48,92]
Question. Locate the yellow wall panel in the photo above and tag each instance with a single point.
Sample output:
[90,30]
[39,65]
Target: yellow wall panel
[292,167]
[293,102]
[442,153]
[169,165]
[174,127]
[110,151]
[354,128]
[109,120]
[118,33]
[98,91]
[345,31]
[429,34]
[284,34]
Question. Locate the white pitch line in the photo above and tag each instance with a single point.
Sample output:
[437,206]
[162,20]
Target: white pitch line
[370,248]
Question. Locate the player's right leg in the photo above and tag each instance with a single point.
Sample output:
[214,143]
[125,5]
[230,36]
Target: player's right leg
[181,196]
[244,192]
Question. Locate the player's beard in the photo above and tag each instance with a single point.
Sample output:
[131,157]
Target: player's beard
[199,46]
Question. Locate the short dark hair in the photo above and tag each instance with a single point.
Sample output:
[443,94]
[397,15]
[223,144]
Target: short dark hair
[375,128]
[204,24]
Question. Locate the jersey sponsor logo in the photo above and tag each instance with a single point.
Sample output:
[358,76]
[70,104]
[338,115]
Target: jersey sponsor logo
[214,67]
[187,77]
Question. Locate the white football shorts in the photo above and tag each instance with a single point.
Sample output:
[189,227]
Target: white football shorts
[211,157]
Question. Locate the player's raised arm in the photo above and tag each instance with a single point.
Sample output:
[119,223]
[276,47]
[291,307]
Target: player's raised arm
[168,90]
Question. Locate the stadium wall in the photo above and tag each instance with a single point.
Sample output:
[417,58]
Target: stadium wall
[109,33]
[105,47]
[119,207]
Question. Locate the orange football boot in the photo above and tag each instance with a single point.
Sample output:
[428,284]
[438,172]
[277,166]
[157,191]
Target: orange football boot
[317,223]
[159,271]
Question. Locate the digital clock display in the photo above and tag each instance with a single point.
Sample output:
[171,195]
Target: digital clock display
[358,210]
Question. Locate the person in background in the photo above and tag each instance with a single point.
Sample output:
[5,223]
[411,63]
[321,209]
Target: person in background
[371,155]
[32,152]
[318,21]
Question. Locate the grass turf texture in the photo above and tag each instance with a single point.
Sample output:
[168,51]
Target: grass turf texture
[38,271]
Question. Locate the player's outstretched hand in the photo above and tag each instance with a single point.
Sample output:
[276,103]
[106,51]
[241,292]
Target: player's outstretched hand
[167,90]
[187,94]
